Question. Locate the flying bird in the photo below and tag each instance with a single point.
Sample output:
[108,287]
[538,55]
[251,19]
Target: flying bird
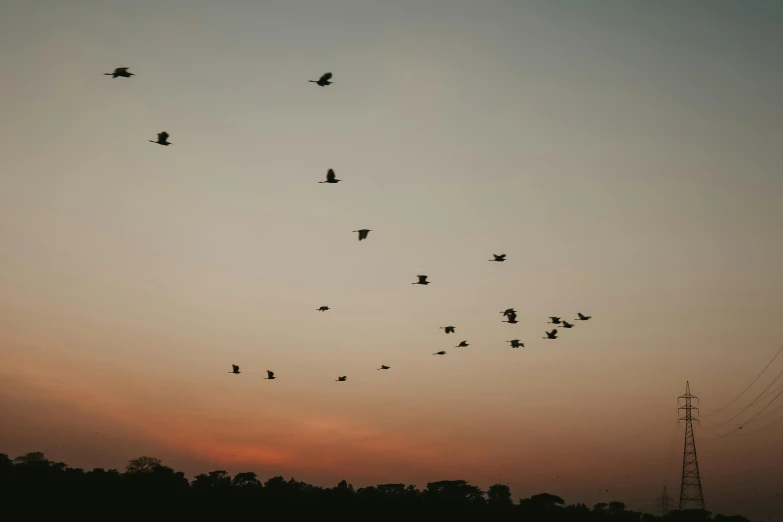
[363,233]
[322,309]
[341,379]
[515,343]
[330,177]
[422,280]
[582,317]
[508,311]
[323,80]
[234,369]
[462,344]
[512,319]
[554,320]
[500,258]
[449,329]
[383,367]
[270,375]
[120,71]
[439,353]
[566,324]
[551,335]
[162,137]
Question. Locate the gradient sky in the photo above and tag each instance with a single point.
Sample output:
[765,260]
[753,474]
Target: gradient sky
[625,155]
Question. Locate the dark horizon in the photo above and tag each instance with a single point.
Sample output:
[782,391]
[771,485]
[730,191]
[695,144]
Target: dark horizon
[37,488]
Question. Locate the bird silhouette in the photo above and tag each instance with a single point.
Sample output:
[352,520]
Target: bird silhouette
[270,375]
[120,71]
[234,369]
[422,280]
[515,343]
[384,367]
[500,258]
[512,318]
[566,324]
[462,344]
[341,379]
[508,311]
[554,320]
[322,309]
[330,177]
[448,329]
[551,335]
[363,233]
[323,80]
[162,139]
[582,317]
[439,353]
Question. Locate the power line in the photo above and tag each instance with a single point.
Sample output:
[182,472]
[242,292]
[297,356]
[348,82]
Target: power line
[744,433]
[746,389]
[762,409]
[772,392]
[770,413]
[751,420]
[751,404]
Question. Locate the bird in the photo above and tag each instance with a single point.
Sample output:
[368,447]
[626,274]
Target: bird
[566,324]
[515,343]
[363,233]
[322,309]
[234,369]
[462,344]
[341,379]
[439,353]
[162,137]
[422,280]
[330,177]
[270,375]
[508,311]
[383,367]
[582,317]
[120,71]
[500,258]
[323,80]
[448,329]
[551,335]
[554,320]
[512,319]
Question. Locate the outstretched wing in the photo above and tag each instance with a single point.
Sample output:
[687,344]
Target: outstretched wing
[270,374]
[330,176]
[422,278]
[163,136]
[326,76]
[121,70]
[235,367]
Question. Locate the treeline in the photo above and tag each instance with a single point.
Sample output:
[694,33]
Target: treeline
[33,488]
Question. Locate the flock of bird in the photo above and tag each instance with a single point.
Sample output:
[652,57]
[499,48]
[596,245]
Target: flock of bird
[510,314]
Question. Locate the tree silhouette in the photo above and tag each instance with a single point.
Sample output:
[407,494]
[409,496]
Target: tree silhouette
[142,465]
[36,489]
[499,495]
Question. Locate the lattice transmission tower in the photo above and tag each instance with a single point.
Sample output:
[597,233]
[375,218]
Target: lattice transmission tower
[663,502]
[690,488]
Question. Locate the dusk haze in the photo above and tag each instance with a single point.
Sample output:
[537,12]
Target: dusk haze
[620,159]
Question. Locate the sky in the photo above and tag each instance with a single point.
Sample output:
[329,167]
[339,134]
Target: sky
[625,155]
